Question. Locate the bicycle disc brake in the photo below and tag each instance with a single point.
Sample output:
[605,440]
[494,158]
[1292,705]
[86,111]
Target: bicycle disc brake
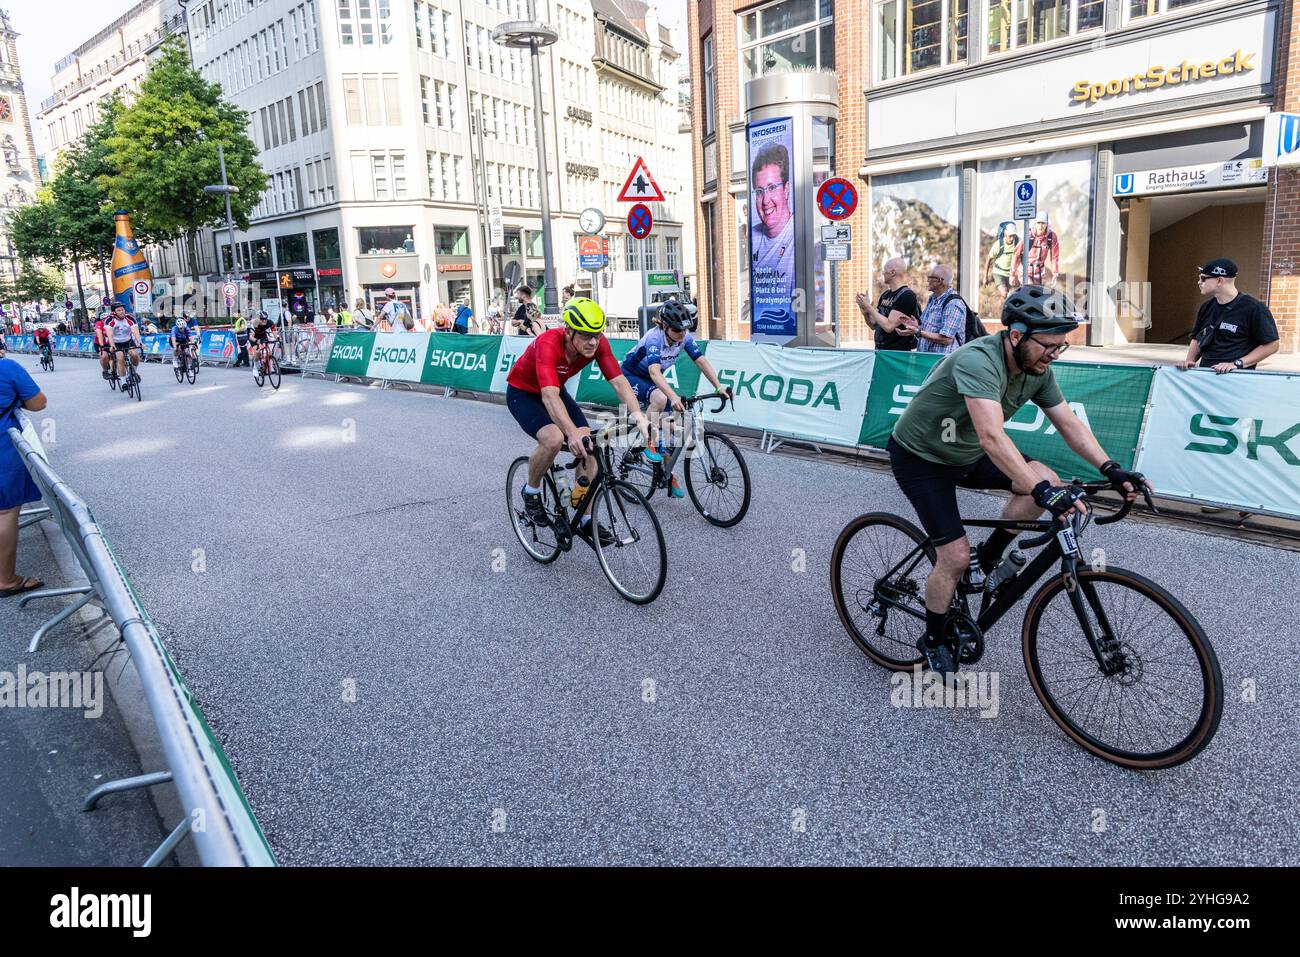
[965,636]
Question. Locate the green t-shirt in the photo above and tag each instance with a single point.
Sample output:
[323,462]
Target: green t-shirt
[978,370]
[1001,255]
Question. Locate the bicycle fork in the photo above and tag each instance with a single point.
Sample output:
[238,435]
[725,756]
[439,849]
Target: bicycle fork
[1106,647]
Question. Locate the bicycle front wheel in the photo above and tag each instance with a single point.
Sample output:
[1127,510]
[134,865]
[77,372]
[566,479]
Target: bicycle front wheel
[259,373]
[635,559]
[539,541]
[192,369]
[878,571]
[717,480]
[135,387]
[273,372]
[1158,701]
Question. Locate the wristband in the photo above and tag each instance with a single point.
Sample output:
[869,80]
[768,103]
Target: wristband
[1108,466]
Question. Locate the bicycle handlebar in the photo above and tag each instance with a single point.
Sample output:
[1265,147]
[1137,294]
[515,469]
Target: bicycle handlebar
[722,398]
[1090,488]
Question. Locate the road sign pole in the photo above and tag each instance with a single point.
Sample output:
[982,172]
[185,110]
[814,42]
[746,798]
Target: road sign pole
[1024,256]
[835,301]
[645,280]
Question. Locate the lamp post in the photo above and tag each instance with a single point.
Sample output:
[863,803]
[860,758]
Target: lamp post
[226,189]
[532,35]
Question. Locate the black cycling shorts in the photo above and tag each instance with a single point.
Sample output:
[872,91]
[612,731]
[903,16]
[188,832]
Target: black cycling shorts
[932,488]
[124,346]
[530,412]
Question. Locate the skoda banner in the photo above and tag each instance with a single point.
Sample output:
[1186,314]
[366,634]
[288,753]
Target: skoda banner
[461,362]
[773,277]
[1227,439]
[350,355]
[810,393]
[399,356]
[512,347]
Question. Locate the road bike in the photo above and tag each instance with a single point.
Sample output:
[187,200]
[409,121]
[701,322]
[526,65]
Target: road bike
[267,368]
[625,533]
[1117,662]
[186,366]
[131,384]
[113,379]
[717,478]
[47,359]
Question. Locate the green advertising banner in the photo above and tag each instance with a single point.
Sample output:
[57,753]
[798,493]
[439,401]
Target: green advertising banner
[350,354]
[1109,399]
[461,362]
[684,376]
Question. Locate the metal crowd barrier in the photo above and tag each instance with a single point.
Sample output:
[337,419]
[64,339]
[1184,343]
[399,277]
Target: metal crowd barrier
[307,348]
[217,815]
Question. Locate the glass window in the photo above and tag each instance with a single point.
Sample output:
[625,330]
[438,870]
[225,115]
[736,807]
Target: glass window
[514,244]
[791,35]
[670,251]
[1013,24]
[916,35]
[710,89]
[291,250]
[325,242]
[917,216]
[1150,8]
[259,254]
[534,245]
[452,242]
[386,240]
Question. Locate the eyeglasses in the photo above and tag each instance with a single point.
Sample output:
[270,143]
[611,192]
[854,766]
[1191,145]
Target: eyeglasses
[767,191]
[934,279]
[585,336]
[1205,278]
[1055,350]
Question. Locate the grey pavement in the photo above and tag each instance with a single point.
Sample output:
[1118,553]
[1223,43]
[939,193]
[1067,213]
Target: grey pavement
[296,546]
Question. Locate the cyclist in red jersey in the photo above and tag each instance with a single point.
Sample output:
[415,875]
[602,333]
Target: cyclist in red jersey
[102,346]
[536,397]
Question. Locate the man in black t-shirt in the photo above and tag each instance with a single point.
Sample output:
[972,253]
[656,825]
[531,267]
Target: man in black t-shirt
[1233,330]
[896,315]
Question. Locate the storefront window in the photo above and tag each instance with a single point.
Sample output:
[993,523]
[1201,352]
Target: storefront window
[534,245]
[514,246]
[260,254]
[326,244]
[788,36]
[1014,24]
[452,242]
[291,250]
[917,216]
[1151,8]
[386,240]
[1060,241]
[916,35]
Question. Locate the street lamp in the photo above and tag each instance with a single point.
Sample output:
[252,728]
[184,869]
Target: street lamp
[532,35]
[226,189]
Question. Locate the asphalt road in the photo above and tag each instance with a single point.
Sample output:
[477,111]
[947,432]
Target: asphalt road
[295,545]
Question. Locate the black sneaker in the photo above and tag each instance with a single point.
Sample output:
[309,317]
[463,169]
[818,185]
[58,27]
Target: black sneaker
[938,656]
[534,511]
[606,536]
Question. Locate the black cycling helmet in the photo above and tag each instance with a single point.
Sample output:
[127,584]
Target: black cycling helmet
[261,314]
[677,314]
[1039,309]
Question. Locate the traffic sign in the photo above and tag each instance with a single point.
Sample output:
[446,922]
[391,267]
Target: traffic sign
[141,288]
[837,198]
[837,233]
[640,222]
[230,290]
[67,304]
[838,252]
[640,186]
[1024,199]
[1282,139]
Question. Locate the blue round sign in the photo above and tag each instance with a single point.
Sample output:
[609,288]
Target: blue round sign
[639,221]
[837,198]
[1026,192]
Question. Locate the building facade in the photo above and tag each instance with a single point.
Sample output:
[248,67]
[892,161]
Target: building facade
[19,172]
[389,130]
[1140,120]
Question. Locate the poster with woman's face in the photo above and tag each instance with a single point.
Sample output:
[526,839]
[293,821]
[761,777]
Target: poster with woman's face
[772,274]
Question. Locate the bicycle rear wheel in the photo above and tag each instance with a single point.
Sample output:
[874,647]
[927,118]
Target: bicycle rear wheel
[880,603]
[717,480]
[1162,703]
[634,470]
[539,541]
[636,561]
[273,372]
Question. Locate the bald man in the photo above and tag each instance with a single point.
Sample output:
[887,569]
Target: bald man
[895,317]
[944,318]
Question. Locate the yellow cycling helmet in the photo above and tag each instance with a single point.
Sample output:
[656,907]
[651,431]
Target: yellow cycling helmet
[583,315]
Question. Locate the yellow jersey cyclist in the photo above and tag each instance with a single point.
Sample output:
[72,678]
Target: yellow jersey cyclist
[536,397]
[651,357]
[952,435]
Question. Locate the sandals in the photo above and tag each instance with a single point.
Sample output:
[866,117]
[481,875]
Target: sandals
[27,584]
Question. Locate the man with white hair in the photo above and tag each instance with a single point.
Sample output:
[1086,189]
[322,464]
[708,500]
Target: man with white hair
[944,320]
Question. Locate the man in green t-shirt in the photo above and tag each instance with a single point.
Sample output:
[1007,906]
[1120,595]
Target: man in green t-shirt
[952,434]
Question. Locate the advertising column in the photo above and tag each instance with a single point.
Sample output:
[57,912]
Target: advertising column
[773,272]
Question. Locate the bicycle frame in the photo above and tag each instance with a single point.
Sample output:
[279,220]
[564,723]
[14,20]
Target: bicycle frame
[571,525]
[692,438]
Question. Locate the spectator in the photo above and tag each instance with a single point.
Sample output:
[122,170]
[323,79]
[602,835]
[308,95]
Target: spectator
[567,293]
[149,328]
[331,317]
[394,314]
[896,315]
[494,317]
[944,318]
[1233,330]
[363,316]
[17,389]
[528,318]
[461,322]
[1044,254]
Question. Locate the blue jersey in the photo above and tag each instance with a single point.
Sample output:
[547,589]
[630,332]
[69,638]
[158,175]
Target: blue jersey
[180,331]
[655,348]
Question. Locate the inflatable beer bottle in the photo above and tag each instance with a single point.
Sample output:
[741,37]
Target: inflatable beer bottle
[129,266]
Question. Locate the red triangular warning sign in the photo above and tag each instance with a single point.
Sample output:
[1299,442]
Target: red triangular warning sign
[641,186]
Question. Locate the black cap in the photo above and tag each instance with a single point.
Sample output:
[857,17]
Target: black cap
[1219,268]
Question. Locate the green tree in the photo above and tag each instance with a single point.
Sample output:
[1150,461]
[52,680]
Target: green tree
[163,151]
[40,282]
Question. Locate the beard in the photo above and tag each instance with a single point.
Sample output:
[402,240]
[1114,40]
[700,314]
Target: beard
[1019,351]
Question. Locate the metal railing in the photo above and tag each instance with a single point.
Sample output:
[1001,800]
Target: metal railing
[216,812]
[307,347]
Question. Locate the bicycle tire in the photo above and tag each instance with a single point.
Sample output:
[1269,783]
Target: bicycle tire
[259,374]
[273,372]
[191,369]
[1212,690]
[711,476]
[179,370]
[135,386]
[616,499]
[900,653]
[542,552]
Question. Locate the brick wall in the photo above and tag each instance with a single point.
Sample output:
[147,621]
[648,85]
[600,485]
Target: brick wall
[851,63]
[1281,239]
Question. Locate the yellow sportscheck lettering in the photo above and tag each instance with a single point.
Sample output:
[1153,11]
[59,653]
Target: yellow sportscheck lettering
[1226,65]
[1155,78]
[1081,90]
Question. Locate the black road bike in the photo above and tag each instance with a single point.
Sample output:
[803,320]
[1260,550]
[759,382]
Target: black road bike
[186,366]
[47,359]
[625,533]
[267,369]
[717,478]
[130,384]
[1118,663]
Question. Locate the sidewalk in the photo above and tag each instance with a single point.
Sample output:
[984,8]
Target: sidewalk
[52,757]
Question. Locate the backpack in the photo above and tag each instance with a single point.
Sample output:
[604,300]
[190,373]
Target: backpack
[974,328]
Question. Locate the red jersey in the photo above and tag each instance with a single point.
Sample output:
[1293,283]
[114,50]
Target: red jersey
[544,363]
[42,334]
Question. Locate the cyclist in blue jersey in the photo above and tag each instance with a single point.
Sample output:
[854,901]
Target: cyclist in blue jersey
[651,357]
[180,338]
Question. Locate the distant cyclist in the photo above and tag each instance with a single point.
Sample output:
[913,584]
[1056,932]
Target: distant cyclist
[180,339]
[44,341]
[125,335]
[952,435]
[103,346]
[645,367]
[260,338]
[536,397]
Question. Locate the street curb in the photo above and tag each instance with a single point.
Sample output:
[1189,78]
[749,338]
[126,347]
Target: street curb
[128,697]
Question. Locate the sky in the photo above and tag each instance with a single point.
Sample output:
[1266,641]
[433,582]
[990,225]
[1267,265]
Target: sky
[43,40]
